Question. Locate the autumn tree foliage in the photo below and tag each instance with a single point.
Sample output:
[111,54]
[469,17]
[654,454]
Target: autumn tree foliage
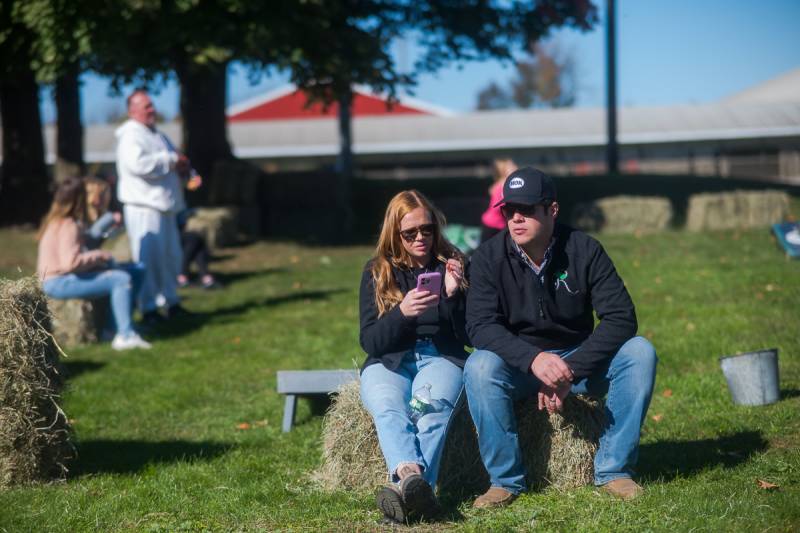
[547,78]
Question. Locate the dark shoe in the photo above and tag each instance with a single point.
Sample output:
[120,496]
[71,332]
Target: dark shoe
[623,488]
[390,502]
[152,318]
[494,497]
[419,497]
[177,311]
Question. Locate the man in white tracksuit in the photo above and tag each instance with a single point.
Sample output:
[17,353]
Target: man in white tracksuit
[150,186]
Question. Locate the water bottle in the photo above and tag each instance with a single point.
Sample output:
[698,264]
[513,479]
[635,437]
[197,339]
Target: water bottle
[420,403]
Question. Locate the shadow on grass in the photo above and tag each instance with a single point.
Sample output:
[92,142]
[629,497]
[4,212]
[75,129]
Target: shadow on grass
[183,325]
[666,460]
[228,278]
[130,456]
[789,393]
[73,369]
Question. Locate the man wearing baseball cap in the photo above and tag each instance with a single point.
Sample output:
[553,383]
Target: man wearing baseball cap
[533,291]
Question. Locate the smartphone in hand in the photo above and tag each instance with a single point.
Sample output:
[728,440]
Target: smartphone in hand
[430,281]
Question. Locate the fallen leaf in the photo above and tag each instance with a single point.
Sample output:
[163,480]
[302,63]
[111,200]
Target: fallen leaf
[294,259]
[649,335]
[690,327]
[658,280]
[657,418]
[668,299]
[236,340]
[759,296]
[667,393]
[297,285]
[766,485]
[243,425]
[325,260]
[770,287]
[636,263]
[261,423]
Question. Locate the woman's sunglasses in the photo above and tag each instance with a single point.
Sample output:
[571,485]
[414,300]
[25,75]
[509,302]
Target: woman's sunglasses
[426,230]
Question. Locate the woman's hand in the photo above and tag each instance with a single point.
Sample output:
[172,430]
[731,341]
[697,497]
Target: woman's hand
[453,276]
[416,302]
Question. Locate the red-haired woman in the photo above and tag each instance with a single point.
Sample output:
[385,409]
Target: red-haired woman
[414,341]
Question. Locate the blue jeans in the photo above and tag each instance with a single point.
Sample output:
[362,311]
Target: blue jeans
[493,386]
[386,393]
[116,283]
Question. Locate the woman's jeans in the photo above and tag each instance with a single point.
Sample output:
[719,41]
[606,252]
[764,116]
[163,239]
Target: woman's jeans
[386,393]
[493,386]
[120,283]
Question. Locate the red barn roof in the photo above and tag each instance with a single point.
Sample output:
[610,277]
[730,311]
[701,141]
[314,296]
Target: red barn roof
[289,103]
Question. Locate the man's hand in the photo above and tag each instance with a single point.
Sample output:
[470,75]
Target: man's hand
[552,399]
[194,182]
[416,302]
[182,166]
[551,370]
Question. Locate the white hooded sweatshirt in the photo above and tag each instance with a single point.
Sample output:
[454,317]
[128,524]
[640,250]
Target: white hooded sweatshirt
[146,169]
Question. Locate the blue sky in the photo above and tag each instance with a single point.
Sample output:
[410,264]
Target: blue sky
[669,52]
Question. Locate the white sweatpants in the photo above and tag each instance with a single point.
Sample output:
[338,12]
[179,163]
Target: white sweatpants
[156,243]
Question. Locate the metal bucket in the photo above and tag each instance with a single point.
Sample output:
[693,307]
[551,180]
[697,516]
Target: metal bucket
[752,377]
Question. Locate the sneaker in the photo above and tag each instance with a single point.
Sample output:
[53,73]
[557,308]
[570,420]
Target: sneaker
[177,310]
[152,318]
[129,342]
[494,497]
[210,284]
[623,488]
[390,502]
[419,498]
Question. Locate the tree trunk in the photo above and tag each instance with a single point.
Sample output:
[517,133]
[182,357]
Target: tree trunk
[205,133]
[24,195]
[69,129]
[344,164]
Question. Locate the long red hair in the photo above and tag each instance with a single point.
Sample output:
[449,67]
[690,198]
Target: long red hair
[390,251]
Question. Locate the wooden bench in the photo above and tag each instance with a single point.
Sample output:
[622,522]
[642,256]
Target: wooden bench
[294,383]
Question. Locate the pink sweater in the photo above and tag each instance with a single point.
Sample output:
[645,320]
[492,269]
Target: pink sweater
[60,251]
[492,217]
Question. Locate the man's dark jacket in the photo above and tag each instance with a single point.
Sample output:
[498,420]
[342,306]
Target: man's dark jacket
[515,315]
[388,338]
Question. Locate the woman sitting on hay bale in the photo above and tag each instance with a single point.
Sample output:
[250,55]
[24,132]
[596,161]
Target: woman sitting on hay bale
[69,271]
[414,341]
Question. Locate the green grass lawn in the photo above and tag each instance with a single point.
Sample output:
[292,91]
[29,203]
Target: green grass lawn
[161,448]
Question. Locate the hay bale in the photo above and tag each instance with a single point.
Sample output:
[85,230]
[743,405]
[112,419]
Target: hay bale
[736,210]
[217,224]
[624,214]
[558,449]
[34,433]
[78,321]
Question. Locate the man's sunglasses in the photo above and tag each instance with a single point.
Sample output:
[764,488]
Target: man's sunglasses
[528,211]
[410,234]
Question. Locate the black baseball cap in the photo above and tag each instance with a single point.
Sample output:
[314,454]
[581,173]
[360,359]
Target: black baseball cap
[528,186]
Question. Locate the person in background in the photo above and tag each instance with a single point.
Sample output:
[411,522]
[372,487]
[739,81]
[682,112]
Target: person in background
[151,179]
[492,221]
[106,224]
[103,223]
[68,270]
[195,250]
[414,340]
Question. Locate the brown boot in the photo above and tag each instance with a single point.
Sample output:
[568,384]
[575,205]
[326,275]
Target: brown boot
[623,488]
[494,497]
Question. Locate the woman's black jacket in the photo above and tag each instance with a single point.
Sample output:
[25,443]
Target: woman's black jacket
[387,339]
